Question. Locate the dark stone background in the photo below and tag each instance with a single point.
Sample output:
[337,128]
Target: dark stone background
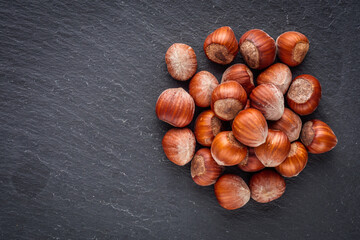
[80,145]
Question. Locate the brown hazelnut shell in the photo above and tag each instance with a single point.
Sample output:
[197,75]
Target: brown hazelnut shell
[266,186]
[290,123]
[181,61]
[304,94]
[292,48]
[257,48]
[179,145]
[268,99]
[204,170]
[176,107]
[248,104]
[274,151]
[278,74]
[317,136]
[227,100]
[252,164]
[201,87]
[226,150]
[250,127]
[295,162]
[207,126]
[231,191]
[241,74]
[221,46]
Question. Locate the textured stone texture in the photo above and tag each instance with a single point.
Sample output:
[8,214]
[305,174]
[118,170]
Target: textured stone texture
[80,145]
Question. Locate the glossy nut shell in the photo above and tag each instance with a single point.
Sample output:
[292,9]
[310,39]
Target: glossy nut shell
[266,186]
[204,170]
[274,151]
[290,123]
[181,61]
[231,192]
[201,87]
[179,145]
[257,48]
[304,94]
[318,137]
[268,99]
[252,164]
[226,150]
[295,162]
[176,107]
[221,46]
[241,74]
[227,100]
[278,74]
[207,126]
[250,127]
[292,48]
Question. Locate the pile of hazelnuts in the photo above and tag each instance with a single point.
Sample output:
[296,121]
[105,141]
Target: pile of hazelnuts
[264,134]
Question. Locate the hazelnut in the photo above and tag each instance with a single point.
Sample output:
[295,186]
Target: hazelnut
[266,186]
[257,48]
[179,145]
[176,107]
[226,150]
[268,99]
[181,61]
[207,126]
[250,127]
[221,46]
[241,74]
[274,151]
[204,170]
[252,164]
[318,137]
[227,100]
[295,162]
[231,192]
[278,74]
[292,48]
[201,87]
[290,123]
[304,94]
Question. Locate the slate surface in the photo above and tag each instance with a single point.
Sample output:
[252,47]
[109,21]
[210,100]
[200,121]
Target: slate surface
[80,145]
